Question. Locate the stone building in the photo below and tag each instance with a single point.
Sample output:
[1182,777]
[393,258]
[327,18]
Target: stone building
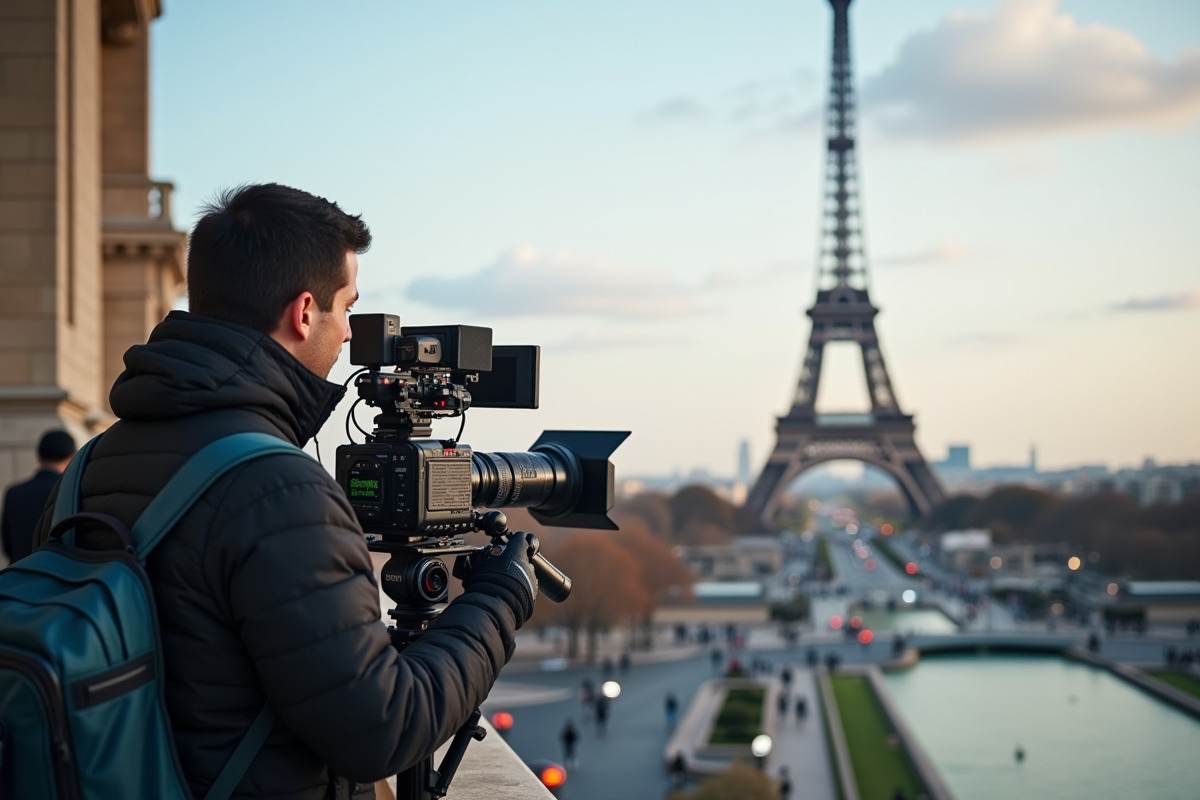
[89,259]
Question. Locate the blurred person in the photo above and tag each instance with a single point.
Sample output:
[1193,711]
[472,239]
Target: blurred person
[587,698]
[678,771]
[265,589]
[602,703]
[671,708]
[25,501]
[569,736]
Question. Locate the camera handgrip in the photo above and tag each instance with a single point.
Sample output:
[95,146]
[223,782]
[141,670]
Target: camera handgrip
[552,581]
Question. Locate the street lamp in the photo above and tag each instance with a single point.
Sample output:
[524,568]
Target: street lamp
[760,747]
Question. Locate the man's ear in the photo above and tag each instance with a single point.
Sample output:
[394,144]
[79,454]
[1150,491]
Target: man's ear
[296,322]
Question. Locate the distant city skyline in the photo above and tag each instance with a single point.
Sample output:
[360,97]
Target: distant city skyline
[850,469]
[635,188]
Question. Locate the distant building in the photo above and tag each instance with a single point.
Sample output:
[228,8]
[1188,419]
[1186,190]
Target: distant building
[747,558]
[958,456]
[965,551]
[1158,602]
[1148,485]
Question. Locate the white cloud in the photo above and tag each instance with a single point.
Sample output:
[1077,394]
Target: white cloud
[674,110]
[1181,301]
[527,282]
[780,103]
[947,252]
[984,341]
[1027,69]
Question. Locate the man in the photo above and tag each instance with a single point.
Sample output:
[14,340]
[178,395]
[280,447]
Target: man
[24,502]
[265,590]
[569,736]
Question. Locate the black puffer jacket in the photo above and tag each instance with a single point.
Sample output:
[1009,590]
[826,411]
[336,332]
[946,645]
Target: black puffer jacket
[265,590]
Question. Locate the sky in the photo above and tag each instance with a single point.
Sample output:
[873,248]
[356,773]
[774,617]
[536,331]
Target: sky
[635,187]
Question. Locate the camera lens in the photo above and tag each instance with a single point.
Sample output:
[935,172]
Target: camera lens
[433,580]
[548,479]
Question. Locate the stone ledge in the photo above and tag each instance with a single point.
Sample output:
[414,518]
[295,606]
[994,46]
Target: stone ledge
[491,770]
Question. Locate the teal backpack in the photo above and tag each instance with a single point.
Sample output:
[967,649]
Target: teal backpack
[82,715]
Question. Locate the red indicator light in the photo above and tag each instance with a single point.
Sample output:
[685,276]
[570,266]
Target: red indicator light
[911,568]
[865,636]
[553,777]
[502,720]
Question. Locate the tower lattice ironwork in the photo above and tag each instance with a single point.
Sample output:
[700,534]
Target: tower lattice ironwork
[843,312]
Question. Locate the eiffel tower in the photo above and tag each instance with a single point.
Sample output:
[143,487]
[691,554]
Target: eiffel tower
[844,312]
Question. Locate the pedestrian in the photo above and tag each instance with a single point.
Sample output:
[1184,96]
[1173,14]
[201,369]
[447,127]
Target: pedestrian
[587,698]
[265,590]
[624,662]
[801,706]
[785,783]
[24,502]
[786,676]
[569,736]
[671,707]
[601,714]
[678,771]
[606,668]
[782,701]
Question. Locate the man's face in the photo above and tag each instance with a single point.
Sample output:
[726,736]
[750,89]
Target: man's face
[331,329]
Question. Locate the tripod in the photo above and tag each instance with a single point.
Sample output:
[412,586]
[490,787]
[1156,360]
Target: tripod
[416,579]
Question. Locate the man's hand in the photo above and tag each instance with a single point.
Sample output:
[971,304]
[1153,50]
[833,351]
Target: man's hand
[504,570]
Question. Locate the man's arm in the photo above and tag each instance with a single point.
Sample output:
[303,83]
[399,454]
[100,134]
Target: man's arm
[306,602]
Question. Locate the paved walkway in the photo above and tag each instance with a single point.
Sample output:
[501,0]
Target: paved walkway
[800,742]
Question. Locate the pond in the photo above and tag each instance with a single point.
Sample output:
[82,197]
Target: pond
[1084,733]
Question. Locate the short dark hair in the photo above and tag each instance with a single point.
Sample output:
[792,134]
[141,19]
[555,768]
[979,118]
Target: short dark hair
[256,247]
[55,445]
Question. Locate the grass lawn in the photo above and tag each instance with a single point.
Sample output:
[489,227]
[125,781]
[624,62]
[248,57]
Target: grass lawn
[1180,680]
[880,766]
[740,718]
[823,558]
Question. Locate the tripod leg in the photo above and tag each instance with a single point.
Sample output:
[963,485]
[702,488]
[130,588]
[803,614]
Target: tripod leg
[413,783]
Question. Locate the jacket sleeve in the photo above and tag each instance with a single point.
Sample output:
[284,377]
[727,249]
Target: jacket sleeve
[303,594]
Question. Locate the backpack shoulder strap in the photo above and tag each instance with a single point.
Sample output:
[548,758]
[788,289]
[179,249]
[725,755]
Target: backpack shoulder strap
[195,477]
[67,502]
[231,774]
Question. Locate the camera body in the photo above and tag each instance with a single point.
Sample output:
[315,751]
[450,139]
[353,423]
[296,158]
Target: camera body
[416,496]
[413,488]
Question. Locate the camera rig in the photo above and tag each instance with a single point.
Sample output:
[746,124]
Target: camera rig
[416,497]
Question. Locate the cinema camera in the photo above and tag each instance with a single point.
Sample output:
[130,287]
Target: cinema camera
[414,495]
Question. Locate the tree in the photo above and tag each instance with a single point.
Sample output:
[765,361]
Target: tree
[739,782]
[699,516]
[652,509]
[948,515]
[660,574]
[606,589]
[1016,506]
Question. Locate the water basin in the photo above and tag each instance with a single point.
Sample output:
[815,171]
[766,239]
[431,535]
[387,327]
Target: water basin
[1085,733]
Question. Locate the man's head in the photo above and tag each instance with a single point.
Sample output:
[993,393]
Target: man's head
[55,449]
[281,261]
